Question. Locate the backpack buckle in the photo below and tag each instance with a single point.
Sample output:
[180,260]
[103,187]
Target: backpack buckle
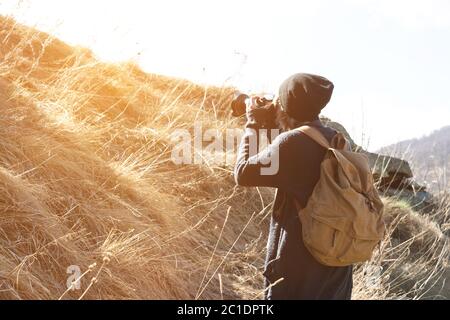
[369,202]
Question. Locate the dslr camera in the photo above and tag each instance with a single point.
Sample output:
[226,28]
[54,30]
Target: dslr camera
[265,102]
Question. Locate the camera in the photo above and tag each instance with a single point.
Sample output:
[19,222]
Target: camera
[265,102]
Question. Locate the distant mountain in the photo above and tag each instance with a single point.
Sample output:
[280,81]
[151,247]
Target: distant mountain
[429,157]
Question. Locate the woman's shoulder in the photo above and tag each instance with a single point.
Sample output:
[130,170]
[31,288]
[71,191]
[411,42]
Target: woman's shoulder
[295,134]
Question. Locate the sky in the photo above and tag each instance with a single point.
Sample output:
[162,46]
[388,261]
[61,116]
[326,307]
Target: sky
[388,59]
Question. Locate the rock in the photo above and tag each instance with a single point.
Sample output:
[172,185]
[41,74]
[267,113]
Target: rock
[393,176]
[388,167]
[384,168]
[340,128]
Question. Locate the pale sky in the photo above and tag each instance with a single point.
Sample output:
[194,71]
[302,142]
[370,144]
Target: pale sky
[388,59]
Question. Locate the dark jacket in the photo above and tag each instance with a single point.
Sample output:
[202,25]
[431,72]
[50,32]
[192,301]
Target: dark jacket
[299,170]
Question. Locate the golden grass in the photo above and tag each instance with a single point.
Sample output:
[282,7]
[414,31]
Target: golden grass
[86,179]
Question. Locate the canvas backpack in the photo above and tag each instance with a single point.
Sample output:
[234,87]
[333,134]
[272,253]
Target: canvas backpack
[342,222]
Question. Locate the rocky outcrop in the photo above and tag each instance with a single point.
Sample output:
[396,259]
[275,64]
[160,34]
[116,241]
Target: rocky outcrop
[393,176]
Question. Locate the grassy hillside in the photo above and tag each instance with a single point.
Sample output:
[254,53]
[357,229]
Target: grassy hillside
[86,180]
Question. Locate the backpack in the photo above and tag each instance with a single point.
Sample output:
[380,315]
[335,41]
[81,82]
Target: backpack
[342,222]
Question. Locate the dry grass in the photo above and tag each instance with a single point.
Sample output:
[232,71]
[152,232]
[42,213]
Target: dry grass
[413,262]
[86,179]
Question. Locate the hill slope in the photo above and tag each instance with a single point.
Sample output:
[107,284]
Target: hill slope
[87,183]
[429,157]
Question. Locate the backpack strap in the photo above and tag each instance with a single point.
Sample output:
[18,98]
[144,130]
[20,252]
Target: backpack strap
[315,134]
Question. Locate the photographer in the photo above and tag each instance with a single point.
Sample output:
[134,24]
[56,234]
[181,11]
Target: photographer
[301,99]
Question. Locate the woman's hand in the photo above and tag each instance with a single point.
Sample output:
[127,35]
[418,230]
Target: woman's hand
[258,111]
